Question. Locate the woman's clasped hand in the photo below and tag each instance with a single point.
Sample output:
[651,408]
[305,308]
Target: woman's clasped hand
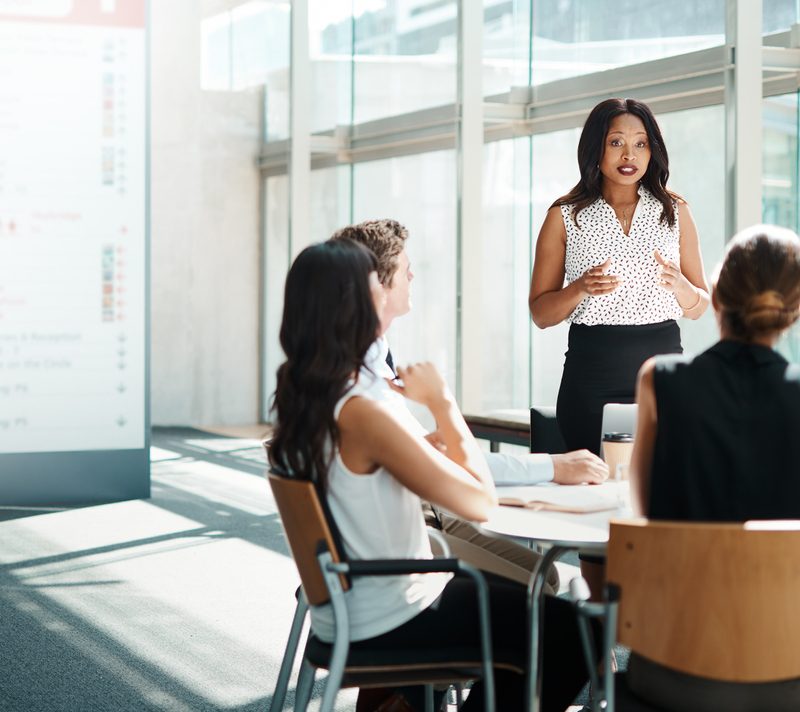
[596,282]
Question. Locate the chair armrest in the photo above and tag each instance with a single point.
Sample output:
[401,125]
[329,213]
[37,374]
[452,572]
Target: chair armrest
[393,567]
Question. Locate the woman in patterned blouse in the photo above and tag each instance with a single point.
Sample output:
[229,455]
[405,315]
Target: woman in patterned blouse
[619,259]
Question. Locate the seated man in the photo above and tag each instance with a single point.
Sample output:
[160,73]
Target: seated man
[386,238]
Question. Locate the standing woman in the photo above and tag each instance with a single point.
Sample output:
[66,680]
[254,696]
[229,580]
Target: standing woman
[619,259]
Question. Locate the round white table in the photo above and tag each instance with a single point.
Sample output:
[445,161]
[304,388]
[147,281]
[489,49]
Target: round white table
[557,533]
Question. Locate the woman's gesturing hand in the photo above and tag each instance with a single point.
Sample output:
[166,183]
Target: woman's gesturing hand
[594,282]
[672,279]
[422,383]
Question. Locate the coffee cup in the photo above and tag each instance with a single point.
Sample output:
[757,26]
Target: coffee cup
[617,449]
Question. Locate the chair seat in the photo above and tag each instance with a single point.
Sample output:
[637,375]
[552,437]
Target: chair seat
[626,701]
[687,693]
[365,659]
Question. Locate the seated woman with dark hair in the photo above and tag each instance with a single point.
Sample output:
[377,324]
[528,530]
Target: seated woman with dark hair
[718,437]
[336,426]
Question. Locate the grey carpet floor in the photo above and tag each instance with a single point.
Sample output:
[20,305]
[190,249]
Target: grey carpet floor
[180,602]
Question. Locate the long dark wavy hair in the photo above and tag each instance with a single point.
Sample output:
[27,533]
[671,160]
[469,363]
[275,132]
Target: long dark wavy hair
[329,322]
[591,148]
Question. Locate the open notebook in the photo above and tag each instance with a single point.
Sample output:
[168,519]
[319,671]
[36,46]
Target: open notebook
[577,499]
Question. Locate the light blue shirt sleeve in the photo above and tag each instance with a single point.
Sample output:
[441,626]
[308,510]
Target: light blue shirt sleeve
[519,470]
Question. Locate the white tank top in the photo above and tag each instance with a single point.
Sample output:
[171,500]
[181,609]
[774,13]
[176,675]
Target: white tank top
[640,299]
[378,518]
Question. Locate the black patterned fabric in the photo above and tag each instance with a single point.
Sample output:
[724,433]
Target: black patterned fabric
[598,236]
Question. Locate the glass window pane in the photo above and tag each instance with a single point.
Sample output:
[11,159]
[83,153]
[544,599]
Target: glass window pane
[215,60]
[575,37]
[248,46]
[260,42]
[697,172]
[419,192]
[276,77]
[331,48]
[405,56]
[780,181]
[505,321]
[275,265]
[554,172]
[778,15]
[506,44]
[330,201]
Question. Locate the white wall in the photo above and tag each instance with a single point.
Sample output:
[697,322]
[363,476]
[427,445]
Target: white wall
[204,233]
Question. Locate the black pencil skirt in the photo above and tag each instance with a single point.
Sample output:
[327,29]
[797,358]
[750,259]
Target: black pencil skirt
[601,366]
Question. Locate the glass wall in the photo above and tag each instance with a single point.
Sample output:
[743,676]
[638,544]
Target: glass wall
[245,47]
[554,172]
[697,172]
[386,59]
[275,263]
[331,48]
[779,14]
[506,44]
[404,52]
[780,182]
[575,37]
[506,263]
[330,201]
[420,192]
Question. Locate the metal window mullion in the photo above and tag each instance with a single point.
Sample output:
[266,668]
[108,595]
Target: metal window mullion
[469,202]
[560,105]
[699,80]
[743,115]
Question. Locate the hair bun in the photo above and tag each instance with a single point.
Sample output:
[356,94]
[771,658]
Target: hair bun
[766,311]
[765,301]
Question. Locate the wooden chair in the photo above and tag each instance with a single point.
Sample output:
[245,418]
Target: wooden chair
[325,576]
[709,611]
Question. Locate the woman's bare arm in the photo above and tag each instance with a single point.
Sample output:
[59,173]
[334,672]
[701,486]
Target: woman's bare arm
[372,435]
[549,301]
[644,444]
[687,280]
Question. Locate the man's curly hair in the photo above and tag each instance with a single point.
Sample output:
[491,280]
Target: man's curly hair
[386,239]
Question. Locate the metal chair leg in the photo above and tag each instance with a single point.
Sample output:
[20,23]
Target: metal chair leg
[305,684]
[429,698]
[459,695]
[341,643]
[279,695]
[335,675]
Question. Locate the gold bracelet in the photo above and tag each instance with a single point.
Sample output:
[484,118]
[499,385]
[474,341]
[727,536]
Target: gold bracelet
[699,298]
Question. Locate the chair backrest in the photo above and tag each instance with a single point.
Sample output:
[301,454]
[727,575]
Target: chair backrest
[545,433]
[719,601]
[618,418]
[307,526]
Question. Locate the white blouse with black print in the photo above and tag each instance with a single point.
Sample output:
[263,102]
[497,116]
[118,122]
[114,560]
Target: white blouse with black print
[599,235]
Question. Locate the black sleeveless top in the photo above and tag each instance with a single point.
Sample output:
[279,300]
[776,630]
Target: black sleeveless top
[728,436]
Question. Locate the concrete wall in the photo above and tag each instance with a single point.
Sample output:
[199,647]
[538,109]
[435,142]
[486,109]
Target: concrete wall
[204,232]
